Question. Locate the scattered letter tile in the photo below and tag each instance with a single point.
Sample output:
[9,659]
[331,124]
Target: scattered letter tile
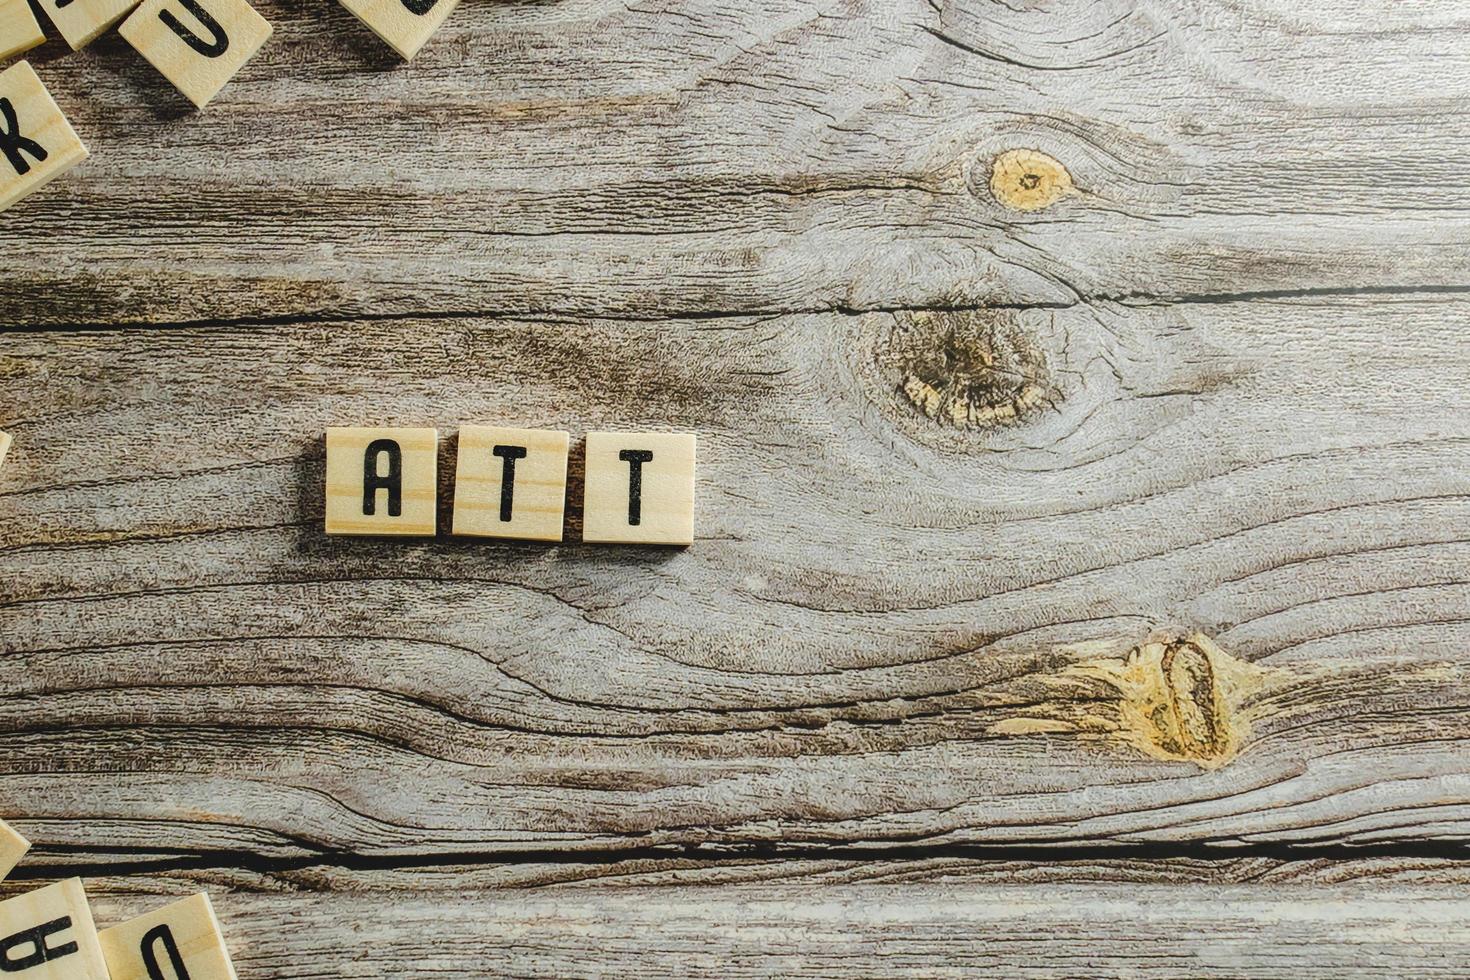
[12,845]
[19,30]
[82,21]
[382,481]
[48,934]
[198,45]
[178,940]
[404,24]
[510,483]
[640,488]
[36,142]
[4,448]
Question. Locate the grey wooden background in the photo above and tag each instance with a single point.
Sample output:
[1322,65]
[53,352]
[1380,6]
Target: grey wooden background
[1079,592]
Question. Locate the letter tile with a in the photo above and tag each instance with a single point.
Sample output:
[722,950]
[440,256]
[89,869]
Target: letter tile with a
[47,934]
[175,942]
[382,481]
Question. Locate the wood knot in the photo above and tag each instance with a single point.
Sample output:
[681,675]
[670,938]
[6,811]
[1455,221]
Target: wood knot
[1178,699]
[1029,180]
[971,369]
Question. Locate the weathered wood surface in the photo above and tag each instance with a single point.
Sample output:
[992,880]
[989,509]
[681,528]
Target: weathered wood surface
[597,156]
[958,460]
[919,930]
[882,636]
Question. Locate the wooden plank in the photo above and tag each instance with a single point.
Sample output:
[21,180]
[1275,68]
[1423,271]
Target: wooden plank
[162,877]
[788,155]
[938,930]
[900,623]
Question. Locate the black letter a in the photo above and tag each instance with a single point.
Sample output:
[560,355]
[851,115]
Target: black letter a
[210,49]
[150,958]
[11,142]
[392,482]
[36,937]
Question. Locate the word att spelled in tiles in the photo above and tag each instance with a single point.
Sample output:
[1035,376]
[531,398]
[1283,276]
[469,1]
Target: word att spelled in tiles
[382,481]
[48,934]
[37,144]
[178,940]
[19,29]
[404,24]
[510,483]
[82,21]
[640,488]
[13,846]
[198,45]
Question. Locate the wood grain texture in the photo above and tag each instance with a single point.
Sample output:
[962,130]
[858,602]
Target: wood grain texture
[1079,587]
[933,930]
[890,630]
[597,156]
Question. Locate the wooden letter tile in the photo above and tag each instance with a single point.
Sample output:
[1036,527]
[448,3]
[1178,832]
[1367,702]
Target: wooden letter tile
[19,29]
[48,934]
[196,44]
[640,488]
[37,144]
[178,940]
[510,483]
[404,24]
[13,846]
[4,446]
[82,21]
[382,481]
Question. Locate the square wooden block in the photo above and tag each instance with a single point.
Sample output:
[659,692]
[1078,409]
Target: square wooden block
[178,940]
[640,488]
[382,481]
[4,446]
[37,144]
[13,846]
[19,29]
[48,934]
[404,24]
[510,483]
[82,21]
[198,45]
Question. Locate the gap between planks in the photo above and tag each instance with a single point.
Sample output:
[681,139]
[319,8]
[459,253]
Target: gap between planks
[346,317]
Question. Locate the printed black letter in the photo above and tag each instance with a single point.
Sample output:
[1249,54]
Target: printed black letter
[11,142]
[419,7]
[150,958]
[635,458]
[508,476]
[392,481]
[40,952]
[210,49]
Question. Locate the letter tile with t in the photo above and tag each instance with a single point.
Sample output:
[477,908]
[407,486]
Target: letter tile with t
[510,483]
[198,45]
[403,24]
[178,940]
[47,934]
[37,144]
[640,488]
[19,29]
[82,21]
[382,481]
